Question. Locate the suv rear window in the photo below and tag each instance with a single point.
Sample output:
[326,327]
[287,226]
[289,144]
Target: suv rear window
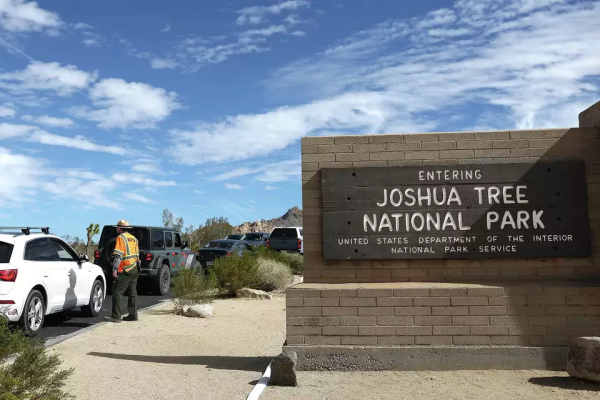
[110,232]
[5,252]
[284,233]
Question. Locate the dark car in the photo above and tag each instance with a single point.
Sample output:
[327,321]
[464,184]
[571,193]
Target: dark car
[256,238]
[235,236]
[161,254]
[220,248]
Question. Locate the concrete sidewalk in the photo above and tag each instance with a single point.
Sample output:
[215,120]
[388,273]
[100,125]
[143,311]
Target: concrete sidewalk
[164,356]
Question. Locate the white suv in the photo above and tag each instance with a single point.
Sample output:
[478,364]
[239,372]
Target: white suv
[40,274]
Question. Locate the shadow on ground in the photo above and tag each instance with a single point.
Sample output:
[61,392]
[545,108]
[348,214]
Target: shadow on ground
[255,364]
[565,382]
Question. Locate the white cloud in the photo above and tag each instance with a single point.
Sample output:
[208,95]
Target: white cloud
[137,197]
[163,63]
[198,192]
[269,187]
[91,42]
[80,26]
[233,186]
[7,110]
[167,28]
[279,171]
[145,167]
[24,177]
[271,30]
[77,142]
[49,121]
[26,16]
[528,60]
[36,135]
[64,80]
[258,14]
[121,104]
[140,180]
[449,32]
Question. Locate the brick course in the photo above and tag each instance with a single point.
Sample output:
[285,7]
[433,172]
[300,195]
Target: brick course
[442,318]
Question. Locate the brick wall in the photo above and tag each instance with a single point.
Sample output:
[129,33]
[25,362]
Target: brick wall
[447,149]
[440,314]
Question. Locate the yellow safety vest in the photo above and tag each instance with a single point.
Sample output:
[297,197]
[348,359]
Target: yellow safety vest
[127,247]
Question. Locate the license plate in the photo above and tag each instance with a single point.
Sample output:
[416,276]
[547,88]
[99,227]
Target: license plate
[209,263]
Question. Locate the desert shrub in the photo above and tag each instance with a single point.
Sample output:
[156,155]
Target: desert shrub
[191,287]
[233,272]
[273,275]
[293,260]
[32,373]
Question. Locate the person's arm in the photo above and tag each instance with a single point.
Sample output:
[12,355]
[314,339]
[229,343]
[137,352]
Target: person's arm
[118,255]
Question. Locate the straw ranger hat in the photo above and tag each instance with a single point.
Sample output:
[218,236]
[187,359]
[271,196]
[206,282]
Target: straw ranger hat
[123,224]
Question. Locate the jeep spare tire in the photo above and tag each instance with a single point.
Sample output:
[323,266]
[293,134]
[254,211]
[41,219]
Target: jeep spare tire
[109,250]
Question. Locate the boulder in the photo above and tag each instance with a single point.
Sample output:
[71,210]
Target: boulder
[283,369]
[583,359]
[199,311]
[252,294]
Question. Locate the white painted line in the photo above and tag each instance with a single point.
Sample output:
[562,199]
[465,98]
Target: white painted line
[261,385]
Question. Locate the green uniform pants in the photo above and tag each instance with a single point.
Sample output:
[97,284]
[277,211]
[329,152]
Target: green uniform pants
[125,281]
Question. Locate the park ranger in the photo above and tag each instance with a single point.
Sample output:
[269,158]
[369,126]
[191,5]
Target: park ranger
[126,265]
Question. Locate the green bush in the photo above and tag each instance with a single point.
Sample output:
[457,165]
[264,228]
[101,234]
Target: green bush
[293,260]
[233,272]
[273,275]
[191,287]
[33,373]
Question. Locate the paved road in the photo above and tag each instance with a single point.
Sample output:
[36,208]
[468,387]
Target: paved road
[70,321]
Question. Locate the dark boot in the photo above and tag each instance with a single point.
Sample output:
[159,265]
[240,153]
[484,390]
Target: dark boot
[112,319]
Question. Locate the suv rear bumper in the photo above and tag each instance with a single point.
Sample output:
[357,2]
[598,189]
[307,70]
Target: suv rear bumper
[11,311]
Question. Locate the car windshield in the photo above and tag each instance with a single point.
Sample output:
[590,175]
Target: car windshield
[5,252]
[253,236]
[235,237]
[284,233]
[219,245]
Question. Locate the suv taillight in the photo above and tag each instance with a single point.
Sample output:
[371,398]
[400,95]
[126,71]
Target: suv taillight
[8,275]
[299,244]
[267,242]
[228,253]
[97,254]
[149,257]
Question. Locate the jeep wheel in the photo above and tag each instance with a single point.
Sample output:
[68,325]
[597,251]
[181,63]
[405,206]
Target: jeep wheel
[96,300]
[163,281]
[34,313]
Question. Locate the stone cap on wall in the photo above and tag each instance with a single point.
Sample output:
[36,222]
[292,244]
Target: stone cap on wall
[590,118]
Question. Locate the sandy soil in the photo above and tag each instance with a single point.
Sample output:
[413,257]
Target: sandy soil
[163,356]
[463,385]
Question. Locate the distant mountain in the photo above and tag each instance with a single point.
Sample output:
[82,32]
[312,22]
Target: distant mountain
[293,217]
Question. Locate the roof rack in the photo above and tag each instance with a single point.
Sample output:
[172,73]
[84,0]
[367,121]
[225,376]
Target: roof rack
[27,229]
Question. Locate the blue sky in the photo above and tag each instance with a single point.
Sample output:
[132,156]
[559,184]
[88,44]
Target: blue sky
[112,110]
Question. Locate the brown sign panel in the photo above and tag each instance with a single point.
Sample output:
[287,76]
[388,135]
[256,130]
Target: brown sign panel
[456,212]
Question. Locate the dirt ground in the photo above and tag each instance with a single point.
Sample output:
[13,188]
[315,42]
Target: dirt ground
[463,385]
[163,356]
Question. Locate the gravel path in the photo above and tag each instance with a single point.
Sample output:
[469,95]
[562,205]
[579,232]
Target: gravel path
[451,385]
[164,356]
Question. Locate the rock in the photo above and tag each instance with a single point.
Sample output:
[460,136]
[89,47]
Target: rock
[583,359]
[293,217]
[283,370]
[199,311]
[253,294]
